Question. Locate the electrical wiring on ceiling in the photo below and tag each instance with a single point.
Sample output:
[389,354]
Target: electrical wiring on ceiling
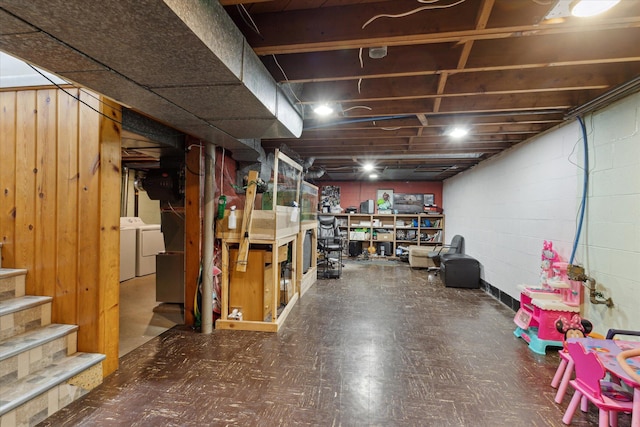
[430,6]
[357,106]
[244,14]
[246,17]
[286,78]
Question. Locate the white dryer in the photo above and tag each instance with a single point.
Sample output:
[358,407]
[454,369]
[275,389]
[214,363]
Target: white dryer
[149,243]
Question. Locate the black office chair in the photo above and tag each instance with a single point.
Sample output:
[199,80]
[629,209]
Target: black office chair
[330,247]
[613,332]
[455,247]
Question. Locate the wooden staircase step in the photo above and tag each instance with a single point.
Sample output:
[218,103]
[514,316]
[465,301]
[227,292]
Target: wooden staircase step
[12,283]
[74,372]
[32,339]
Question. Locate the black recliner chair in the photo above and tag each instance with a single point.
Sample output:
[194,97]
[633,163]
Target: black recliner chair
[457,270]
[455,247]
[330,247]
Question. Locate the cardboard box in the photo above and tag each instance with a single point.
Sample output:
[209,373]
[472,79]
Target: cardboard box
[358,235]
[385,237]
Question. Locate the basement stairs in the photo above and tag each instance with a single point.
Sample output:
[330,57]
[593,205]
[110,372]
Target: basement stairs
[41,370]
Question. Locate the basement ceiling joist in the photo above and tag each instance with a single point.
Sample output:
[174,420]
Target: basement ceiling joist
[495,66]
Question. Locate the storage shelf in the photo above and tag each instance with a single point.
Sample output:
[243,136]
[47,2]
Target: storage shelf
[393,223]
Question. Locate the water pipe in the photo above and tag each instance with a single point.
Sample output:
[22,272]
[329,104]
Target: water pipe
[585,185]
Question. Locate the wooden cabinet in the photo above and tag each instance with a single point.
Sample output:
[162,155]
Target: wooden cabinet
[249,291]
[255,252]
[392,229]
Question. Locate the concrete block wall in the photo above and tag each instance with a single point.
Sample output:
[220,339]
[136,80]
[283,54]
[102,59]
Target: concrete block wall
[507,206]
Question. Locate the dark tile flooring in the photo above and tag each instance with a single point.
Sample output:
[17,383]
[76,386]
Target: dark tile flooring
[382,346]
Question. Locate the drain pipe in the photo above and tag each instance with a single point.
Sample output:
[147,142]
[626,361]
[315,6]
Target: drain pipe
[124,194]
[207,249]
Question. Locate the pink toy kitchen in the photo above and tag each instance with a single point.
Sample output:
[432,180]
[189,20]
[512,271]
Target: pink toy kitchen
[541,306]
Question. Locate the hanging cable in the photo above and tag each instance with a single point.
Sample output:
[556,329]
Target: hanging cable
[411,12]
[246,17]
[585,185]
[286,79]
[357,106]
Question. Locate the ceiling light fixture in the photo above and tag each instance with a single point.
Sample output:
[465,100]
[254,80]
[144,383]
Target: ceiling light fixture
[458,132]
[323,110]
[578,8]
[373,176]
[367,167]
[586,8]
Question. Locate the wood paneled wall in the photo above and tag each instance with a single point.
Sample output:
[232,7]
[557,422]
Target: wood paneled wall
[60,206]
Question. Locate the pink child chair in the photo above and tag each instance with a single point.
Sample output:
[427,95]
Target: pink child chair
[576,327]
[565,369]
[589,371]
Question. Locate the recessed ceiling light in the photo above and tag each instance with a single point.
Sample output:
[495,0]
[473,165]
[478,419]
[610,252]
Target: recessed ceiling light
[458,132]
[323,110]
[586,8]
[373,176]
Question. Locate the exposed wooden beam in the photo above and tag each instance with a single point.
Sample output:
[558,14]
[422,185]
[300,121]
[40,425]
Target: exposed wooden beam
[289,47]
[423,120]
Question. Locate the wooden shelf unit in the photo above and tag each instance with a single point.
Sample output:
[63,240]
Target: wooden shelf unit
[257,291]
[402,229]
[256,250]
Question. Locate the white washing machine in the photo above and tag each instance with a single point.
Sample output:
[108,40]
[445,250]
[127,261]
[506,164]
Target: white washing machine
[128,242]
[149,243]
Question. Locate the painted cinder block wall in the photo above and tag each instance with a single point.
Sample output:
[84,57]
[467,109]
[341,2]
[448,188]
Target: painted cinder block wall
[507,206]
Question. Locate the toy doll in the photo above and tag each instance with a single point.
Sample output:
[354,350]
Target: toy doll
[576,327]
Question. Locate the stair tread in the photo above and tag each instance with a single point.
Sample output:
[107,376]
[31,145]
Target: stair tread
[28,340]
[21,303]
[18,392]
[10,272]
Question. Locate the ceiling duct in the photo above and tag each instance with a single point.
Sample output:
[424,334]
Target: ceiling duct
[182,62]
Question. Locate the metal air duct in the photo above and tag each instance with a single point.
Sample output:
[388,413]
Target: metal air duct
[183,63]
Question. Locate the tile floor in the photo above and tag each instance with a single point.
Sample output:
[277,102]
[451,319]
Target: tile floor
[141,317]
[382,346]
